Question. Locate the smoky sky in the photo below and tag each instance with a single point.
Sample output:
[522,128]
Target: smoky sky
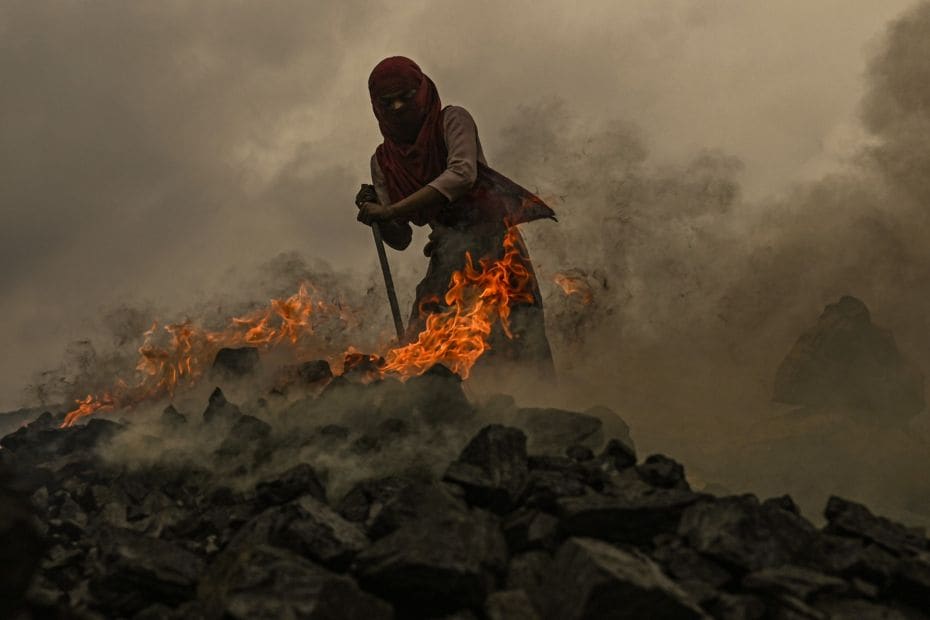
[156,154]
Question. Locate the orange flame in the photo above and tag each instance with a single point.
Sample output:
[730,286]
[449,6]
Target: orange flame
[573,284]
[458,336]
[189,349]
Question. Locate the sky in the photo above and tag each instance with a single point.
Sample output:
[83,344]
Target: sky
[155,154]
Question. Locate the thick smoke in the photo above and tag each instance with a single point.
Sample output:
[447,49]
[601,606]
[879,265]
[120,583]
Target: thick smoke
[215,146]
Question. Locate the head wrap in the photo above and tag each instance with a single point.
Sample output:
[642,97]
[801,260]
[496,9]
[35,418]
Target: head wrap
[414,151]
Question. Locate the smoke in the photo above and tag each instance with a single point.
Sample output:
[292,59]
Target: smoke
[184,160]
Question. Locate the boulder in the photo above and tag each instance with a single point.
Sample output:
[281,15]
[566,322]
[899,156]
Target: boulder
[591,579]
[236,362]
[846,361]
[492,468]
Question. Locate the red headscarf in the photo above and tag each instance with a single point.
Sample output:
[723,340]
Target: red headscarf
[414,151]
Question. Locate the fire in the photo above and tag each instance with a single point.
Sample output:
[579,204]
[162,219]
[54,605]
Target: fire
[178,354]
[458,336]
[574,284]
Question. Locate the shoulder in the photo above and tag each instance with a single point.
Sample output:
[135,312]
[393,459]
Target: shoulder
[454,115]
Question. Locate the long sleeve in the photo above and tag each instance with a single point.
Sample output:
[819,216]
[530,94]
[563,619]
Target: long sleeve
[396,234]
[464,150]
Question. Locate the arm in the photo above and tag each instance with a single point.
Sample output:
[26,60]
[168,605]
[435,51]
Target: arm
[395,232]
[461,171]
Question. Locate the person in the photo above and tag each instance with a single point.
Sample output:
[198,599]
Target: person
[430,170]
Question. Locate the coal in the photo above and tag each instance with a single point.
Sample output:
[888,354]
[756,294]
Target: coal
[844,360]
[741,533]
[436,565]
[236,362]
[219,410]
[591,579]
[315,371]
[526,522]
[299,480]
[492,468]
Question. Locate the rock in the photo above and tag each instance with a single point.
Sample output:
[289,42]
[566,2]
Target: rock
[527,571]
[744,535]
[853,558]
[661,471]
[552,431]
[296,481]
[911,582]
[618,454]
[592,579]
[415,502]
[696,574]
[173,419]
[436,565]
[307,527]
[138,571]
[21,547]
[510,605]
[579,454]
[492,468]
[633,512]
[219,410]
[236,362]
[796,581]
[265,582]
[530,529]
[845,360]
[737,607]
[851,519]
[366,498]
[545,487]
[314,372]
[248,428]
[437,395]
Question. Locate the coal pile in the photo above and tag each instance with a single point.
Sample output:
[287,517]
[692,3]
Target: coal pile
[407,500]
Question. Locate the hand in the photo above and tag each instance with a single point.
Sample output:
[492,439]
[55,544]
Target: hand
[369,212]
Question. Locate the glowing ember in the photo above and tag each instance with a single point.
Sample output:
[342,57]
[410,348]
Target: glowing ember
[458,336]
[574,284]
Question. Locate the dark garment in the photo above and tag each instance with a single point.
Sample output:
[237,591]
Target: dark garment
[448,246]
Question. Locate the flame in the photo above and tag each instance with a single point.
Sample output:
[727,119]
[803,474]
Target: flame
[458,335]
[179,353]
[573,284]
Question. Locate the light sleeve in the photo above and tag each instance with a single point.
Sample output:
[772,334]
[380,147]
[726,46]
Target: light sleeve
[461,171]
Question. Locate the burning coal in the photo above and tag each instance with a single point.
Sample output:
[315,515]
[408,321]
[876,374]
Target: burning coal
[177,355]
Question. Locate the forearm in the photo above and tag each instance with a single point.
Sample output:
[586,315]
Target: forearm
[423,199]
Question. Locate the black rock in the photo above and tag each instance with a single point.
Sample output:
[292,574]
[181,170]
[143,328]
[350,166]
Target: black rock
[265,582]
[795,581]
[510,605]
[661,471]
[308,527]
[744,535]
[249,428]
[591,579]
[437,565]
[315,371]
[236,362]
[530,529]
[618,454]
[21,547]
[437,395]
[415,502]
[845,360]
[138,571]
[492,468]
[552,431]
[579,453]
[171,418]
[219,410]
[630,512]
[784,502]
[366,498]
[296,481]
[696,574]
[851,519]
